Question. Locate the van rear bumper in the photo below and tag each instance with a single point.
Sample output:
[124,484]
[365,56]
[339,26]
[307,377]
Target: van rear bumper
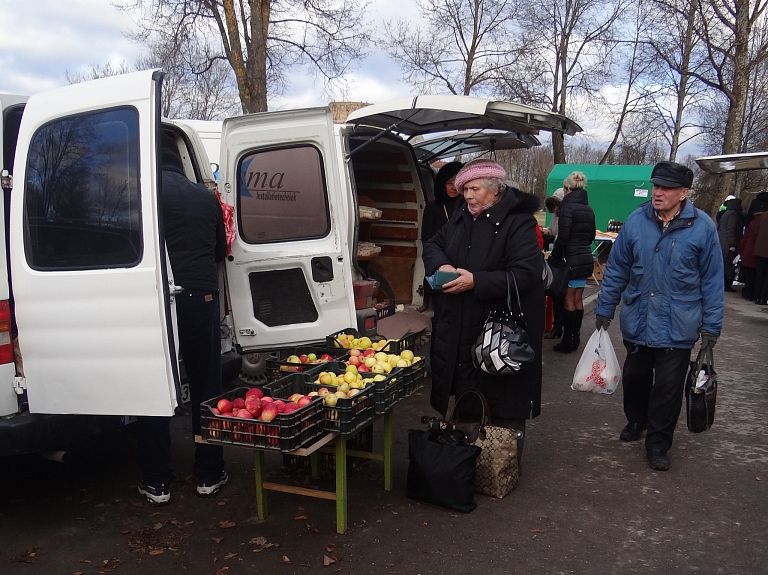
[34,432]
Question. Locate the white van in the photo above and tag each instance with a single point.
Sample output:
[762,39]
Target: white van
[94,293]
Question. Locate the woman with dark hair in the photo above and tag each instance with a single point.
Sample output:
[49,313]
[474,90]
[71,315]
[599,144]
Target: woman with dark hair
[576,232]
[436,214]
[490,235]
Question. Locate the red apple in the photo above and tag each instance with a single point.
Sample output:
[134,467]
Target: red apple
[289,408]
[244,414]
[280,404]
[304,401]
[269,412]
[362,369]
[267,398]
[238,403]
[215,411]
[354,360]
[224,406]
[370,352]
[255,391]
[253,405]
[295,397]
[326,357]
[303,358]
[354,352]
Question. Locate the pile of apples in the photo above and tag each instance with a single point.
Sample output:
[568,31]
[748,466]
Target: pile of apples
[361,343]
[255,405]
[309,358]
[347,384]
[380,362]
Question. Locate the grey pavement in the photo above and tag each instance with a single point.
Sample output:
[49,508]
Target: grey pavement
[587,503]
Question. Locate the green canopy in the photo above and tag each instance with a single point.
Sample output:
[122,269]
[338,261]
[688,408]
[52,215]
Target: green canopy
[614,191]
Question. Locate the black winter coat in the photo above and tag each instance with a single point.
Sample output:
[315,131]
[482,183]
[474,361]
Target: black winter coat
[576,232]
[730,227]
[758,204]
[502,238]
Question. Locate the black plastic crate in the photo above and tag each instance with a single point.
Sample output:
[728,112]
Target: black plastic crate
[413,377]
[347,416]
[280,368]
[408,341]
[284,433]
[332,341]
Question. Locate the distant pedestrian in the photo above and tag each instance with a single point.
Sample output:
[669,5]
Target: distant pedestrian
[729,230]
[576,232]
[666,269]
[748,260]
[758,204]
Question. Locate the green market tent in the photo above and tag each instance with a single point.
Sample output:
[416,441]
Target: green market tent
[614,191]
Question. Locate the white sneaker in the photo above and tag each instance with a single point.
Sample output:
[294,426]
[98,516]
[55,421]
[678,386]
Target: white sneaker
[156,493]
[207,489]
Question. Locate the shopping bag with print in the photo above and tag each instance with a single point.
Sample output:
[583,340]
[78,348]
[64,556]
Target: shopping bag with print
[598,370]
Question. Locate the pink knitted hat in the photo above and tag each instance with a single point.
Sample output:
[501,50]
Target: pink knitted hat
[477,169]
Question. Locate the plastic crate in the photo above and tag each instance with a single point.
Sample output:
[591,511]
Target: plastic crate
[412,377]
[347,416]
[408,341]
[284,433]
[332,341]
[280,368]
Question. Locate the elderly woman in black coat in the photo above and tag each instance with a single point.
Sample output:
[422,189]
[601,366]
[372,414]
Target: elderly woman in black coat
[576,232]
[490,234]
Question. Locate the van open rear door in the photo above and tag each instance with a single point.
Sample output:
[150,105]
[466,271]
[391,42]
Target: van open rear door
[89,272]
[289,275]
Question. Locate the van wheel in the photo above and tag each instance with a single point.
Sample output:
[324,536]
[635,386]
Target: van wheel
[254,369]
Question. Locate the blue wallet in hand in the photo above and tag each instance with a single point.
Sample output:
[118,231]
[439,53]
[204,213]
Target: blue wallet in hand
[439,278]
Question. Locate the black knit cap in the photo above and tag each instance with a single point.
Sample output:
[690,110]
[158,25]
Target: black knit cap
[672,175]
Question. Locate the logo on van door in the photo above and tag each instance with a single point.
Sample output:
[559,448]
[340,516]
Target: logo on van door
[282,195]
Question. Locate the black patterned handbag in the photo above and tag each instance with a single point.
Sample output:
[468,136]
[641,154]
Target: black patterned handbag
[700,400]
[503,346]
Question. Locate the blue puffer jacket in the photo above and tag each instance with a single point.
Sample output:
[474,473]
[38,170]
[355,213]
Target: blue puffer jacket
[670,284]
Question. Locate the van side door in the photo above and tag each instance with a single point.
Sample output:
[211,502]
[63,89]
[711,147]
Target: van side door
[89,268]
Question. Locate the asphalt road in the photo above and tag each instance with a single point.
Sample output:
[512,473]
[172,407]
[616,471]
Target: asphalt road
[587,502]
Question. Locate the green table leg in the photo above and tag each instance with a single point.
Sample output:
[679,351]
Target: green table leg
[341,484]
[389,420]
[261,496]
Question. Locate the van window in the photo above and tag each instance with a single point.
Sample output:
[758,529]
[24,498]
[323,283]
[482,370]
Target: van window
[81,199]
[282,195]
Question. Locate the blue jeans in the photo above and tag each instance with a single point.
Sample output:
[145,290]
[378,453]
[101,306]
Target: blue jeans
[200,348]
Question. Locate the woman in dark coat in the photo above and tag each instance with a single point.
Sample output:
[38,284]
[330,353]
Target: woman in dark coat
[492,233]
[729,229]
[576,232]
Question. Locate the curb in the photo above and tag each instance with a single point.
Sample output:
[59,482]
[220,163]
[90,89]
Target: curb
[590,303]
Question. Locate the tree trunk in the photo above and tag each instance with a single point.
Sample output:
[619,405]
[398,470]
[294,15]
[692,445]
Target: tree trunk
[682,89]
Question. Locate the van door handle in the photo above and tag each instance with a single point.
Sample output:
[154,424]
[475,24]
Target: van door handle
[174,289]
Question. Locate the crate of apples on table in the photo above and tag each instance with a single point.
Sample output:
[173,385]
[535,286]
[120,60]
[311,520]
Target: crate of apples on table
[408,367]
[247,417]
[303,359]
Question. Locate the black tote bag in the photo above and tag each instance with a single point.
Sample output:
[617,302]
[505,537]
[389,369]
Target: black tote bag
[700,403]
[560,276]
[441,469]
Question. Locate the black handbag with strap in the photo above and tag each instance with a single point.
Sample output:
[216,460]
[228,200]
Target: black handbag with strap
[700,400]
[503,346]
[561,272]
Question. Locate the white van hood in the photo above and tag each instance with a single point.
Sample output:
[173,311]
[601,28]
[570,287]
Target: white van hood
[430,114]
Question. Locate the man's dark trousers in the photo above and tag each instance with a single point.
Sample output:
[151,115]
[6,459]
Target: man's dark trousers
[653,382]
[197,312]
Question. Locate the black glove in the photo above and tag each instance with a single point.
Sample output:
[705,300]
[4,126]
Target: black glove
[708,340]
[604,322]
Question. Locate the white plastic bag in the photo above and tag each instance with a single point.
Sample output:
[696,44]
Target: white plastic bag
[598,369]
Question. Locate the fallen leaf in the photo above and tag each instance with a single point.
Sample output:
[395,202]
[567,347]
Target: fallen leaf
[157,526]
[125,532]
[85,560]
[286,560]
[221,503]
[423,523]
[301,517]
[757,479]
[316,530]
[300,508]
[155,514]
[78,573]
[536,531]
[217,539]
[156,552]
[110,565]
[328,561]
[452,515]
[226,524]
[331,547]
[394,513]
[229,556]
[188,522]
[221,571]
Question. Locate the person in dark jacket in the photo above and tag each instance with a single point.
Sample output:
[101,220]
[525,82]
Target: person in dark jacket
[576,232]
[193,228]
[748,259]
[665,268]
[489,235]
[758,204]
[729,231]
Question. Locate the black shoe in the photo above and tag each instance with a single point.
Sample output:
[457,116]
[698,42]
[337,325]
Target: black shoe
[564,346]
[206,489]
[633,431]
[556,333]
[658,460]
[156,493]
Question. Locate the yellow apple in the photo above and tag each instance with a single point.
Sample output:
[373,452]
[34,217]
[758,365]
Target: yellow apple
[407,354]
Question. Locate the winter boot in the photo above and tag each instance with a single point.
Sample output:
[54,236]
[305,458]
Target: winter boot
[565,344]
[576,318]
[556,333]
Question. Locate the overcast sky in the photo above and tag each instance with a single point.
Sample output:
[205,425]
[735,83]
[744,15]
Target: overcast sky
[43,39]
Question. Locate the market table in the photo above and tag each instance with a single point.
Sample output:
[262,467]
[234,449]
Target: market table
[330,442]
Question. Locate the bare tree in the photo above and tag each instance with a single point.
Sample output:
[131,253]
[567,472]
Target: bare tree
[464,46]
[261,39]
[726,29]
[574,42]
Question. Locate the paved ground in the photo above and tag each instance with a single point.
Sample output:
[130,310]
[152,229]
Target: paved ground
[586,504]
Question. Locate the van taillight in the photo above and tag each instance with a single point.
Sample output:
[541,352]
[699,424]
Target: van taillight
[370,322]
[6,342]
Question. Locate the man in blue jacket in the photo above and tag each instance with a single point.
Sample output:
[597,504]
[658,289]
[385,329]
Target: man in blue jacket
[666,269]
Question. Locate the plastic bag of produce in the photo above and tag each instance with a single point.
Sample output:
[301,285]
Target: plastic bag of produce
[598,369]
